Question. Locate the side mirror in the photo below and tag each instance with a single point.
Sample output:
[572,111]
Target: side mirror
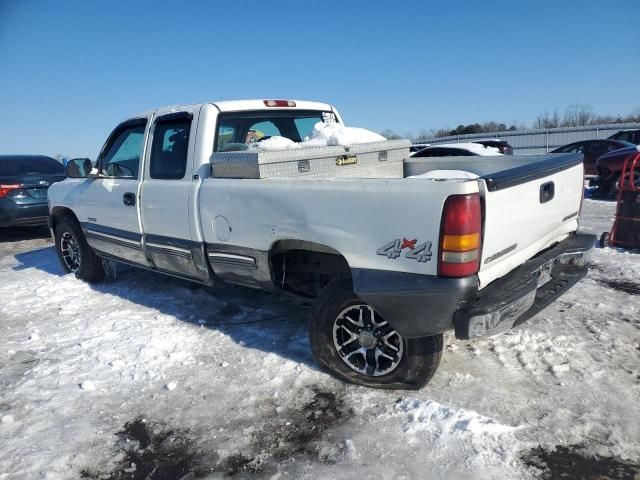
[78,168]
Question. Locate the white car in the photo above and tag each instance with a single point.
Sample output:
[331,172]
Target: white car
[456,150]
[391,263]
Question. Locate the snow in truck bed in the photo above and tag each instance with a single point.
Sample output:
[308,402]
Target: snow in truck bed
[144,376]
[323,135]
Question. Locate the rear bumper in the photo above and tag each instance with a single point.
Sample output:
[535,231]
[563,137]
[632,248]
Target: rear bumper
[524,292]
[19,215]
[415,305]
[423,305]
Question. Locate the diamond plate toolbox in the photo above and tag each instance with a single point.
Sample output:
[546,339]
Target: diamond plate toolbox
[364,160]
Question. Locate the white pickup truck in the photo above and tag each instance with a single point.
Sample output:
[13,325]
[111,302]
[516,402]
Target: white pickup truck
[471,244]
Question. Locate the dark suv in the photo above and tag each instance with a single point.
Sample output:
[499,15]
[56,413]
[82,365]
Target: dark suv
[631,136]
[24,181]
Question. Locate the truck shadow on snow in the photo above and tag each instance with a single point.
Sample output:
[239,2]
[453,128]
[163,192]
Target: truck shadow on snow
[303,427]
[18,234]
[252,318]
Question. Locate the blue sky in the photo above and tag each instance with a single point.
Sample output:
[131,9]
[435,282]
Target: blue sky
[71,70]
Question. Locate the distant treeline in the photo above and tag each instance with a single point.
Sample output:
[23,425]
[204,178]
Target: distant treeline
[576,115]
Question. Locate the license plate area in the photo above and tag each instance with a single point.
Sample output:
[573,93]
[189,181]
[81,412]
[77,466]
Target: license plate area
[39,193]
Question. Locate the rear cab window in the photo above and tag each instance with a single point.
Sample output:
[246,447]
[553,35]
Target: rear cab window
[237,131]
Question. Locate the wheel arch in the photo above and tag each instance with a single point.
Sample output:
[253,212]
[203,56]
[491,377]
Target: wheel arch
[59,213]
[304,267]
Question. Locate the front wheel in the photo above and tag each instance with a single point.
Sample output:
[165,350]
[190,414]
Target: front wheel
[75,254]
[352,341]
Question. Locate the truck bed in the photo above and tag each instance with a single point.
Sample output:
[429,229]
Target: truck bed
[518,222]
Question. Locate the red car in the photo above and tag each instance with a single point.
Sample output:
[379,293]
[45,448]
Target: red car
[592,150]
[610,167]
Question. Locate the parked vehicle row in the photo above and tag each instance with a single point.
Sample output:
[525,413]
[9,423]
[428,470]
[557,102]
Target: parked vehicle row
[603,158]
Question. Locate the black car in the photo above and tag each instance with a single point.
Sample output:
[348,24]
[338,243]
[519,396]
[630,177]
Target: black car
[416,147]
[24,180]
[631,136]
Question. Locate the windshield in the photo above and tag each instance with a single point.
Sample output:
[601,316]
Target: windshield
[238,130]
[11,166]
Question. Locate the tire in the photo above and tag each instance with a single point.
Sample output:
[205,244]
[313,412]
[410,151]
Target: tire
[604,240]
[412,364]
[75,254]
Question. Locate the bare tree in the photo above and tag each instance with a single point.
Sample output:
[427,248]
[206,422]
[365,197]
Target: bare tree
[547,120]
[577,115]
[390,134]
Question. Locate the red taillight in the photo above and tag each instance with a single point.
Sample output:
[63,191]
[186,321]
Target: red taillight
[460,236]
[5,189]
[279,103]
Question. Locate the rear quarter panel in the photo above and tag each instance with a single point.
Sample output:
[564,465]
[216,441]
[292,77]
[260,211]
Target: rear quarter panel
[355,217]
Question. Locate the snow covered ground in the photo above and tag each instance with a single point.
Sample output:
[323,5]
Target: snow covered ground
[144,376]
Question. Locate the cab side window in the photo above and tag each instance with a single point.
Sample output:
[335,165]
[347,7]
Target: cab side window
[121,155]
[169,151]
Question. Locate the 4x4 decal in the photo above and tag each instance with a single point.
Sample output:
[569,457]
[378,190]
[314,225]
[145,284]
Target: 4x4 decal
[393,249]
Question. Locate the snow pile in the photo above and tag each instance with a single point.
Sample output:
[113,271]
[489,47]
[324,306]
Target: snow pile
[440,421]
[327,134]
[322,135]
[275,143]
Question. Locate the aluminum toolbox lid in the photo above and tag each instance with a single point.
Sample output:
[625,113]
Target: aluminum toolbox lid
[367,160]
[260,157]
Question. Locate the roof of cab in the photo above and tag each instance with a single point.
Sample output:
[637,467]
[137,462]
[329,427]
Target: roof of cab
[238,106]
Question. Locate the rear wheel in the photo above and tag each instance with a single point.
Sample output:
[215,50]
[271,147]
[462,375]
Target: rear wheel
[75,254]
[352,341]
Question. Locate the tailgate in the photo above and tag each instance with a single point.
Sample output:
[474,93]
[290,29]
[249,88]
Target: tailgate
[527,209]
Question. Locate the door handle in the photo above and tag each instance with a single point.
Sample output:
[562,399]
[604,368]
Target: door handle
[547,192]
[129,199]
